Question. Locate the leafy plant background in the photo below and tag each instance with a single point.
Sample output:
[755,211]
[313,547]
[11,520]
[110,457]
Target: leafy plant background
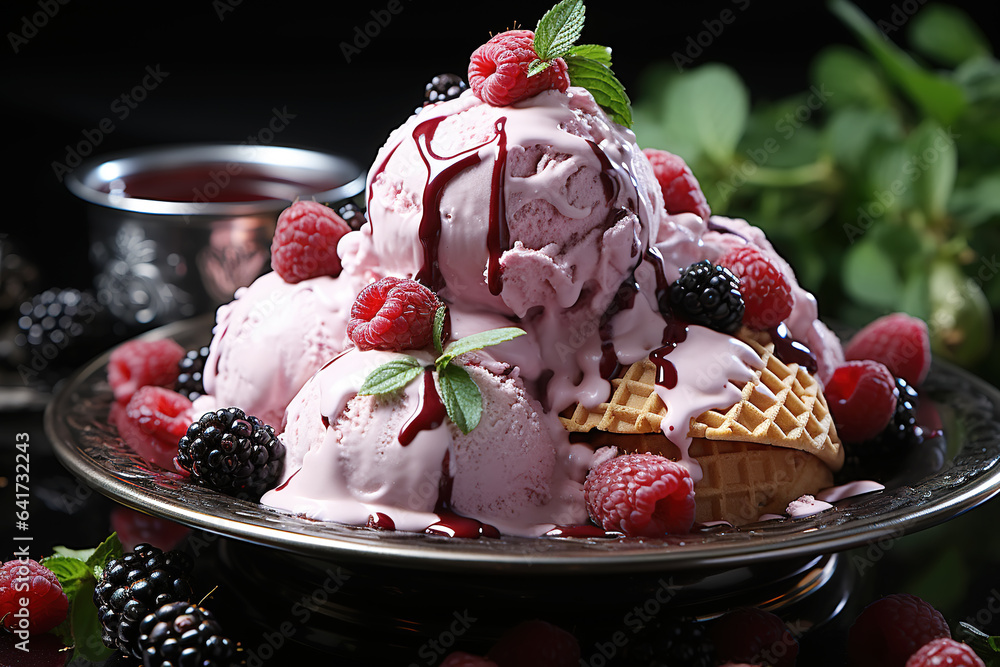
[881,180]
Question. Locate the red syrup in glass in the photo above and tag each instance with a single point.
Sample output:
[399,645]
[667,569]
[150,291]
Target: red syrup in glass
[218,182]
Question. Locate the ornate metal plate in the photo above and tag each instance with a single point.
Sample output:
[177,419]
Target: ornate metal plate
[948,476]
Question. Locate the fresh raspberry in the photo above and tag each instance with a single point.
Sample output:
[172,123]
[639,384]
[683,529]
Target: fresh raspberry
[393,314]
[767,296]
[139,363]
[153,422]
[498,70]
[47,603]
[462,659]
[681,191]
[305,242]
[536,644]
[890,630]
[755,636]
[862,399]
[945,653]
[641,494]
[898,341]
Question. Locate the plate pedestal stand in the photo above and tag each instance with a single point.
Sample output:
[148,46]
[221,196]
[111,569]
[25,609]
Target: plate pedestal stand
[402,616]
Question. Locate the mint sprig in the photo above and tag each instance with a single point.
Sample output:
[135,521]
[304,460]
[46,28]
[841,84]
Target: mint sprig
[987,647]
[391,376]
[607,90]
[460,395]
[78,571]
[589,65]
[559,28]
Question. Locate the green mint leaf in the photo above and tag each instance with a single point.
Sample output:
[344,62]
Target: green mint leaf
[559,28]
[390,376]
[601,54]
[106,551]
[538,66]
[439,315]
[79,554]
[461,397]
[72,573]
[85,627]
[607,90]
[477,342]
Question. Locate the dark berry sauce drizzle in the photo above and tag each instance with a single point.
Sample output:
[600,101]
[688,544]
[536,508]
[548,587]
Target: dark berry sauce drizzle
[429,415]
[441,169]
[791,351]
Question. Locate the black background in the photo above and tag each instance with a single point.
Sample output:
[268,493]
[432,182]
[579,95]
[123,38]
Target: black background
[229,65]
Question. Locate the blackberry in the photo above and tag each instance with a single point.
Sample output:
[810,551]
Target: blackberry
[708,295]
[135,585]
[899,435]
[63,327]
[230,452]
[352,215]
[179,634]
[670,642]
[443,87]
[902,428]
[191,368]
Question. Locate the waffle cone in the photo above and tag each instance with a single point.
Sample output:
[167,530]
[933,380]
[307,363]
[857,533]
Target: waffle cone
[740,480]
[782,406]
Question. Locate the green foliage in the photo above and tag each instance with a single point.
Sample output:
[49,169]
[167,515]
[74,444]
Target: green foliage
[880,180]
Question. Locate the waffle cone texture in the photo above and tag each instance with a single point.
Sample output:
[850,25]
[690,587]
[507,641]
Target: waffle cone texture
[775,444]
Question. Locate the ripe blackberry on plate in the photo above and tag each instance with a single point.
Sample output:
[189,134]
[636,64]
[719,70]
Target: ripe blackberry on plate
[135,585]
[902,428]
[231,452]
[352,214]
[901,434]
[708,295]
[190,376]
[179,634]
[443,87]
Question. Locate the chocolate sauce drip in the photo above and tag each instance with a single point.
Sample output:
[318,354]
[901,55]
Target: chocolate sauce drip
[429,415]
[791,351]
[584,531]
[445,485]
[714,226]
[654,257]
[674,333]
[609,178]
[381,521]
[498,239]
[441,169]
[285,483]
[453,525]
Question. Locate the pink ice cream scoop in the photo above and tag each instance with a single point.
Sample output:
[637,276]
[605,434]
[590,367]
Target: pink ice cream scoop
[538,212]
[270,340]
[351,457]
[544,201]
